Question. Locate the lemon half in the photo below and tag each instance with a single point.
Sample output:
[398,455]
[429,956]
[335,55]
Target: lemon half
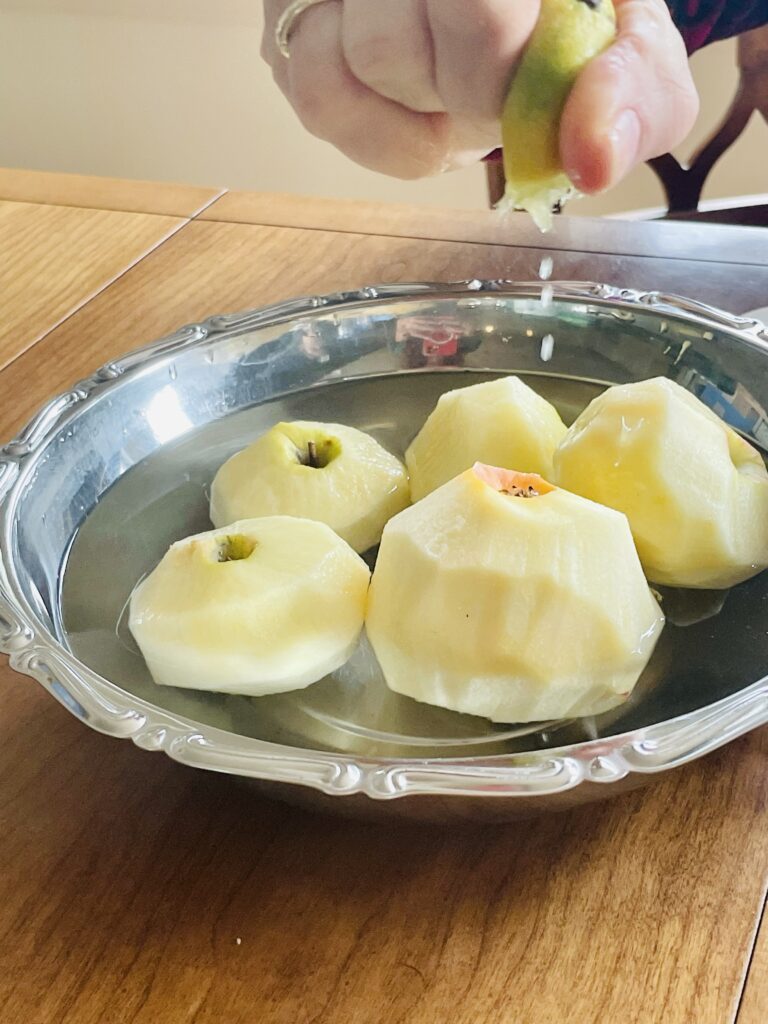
[568,34]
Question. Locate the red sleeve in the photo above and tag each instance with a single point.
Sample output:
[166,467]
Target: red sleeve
[704,21]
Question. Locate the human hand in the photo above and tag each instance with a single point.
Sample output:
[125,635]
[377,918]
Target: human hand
[413,88]
[410,88]
[635,101]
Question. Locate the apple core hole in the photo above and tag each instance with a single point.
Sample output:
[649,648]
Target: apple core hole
[319,453]
[235,548]
[521,492]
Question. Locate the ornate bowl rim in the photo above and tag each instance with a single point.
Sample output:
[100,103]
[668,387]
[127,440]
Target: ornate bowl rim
[35,652]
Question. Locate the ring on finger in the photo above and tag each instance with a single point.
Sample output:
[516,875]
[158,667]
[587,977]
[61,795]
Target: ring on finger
[287,20]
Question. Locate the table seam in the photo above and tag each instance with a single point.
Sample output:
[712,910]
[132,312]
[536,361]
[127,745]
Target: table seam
[196,218]
[762,919]
[34,342]
[118,209]
[464,241]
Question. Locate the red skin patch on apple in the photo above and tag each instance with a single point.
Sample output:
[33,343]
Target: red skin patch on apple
[508,481]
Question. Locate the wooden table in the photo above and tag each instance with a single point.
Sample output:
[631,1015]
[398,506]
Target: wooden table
[135,890]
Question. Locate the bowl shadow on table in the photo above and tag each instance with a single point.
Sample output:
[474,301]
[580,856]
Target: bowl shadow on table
[247,853]
[187,862]
[182,886]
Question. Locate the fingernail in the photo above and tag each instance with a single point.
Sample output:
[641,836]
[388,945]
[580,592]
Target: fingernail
[625,144]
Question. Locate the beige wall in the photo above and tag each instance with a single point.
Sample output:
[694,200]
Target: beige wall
[175,90]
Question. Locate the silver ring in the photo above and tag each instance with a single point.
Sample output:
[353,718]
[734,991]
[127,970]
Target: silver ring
[286,21]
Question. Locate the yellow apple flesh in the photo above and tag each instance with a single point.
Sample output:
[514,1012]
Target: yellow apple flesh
[501,422]
[266,606]
[324,471]
[501,596]
[694,491]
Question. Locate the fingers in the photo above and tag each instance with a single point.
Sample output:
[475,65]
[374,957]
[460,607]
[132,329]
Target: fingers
[414,87]
[388,47]
[477,45]
[334,105]
[394,122]
[454,56]
[633,102]
[438,55]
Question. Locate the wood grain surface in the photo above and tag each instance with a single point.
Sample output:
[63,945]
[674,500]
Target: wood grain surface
[127,881]
[754,1005]
[104,193]
[667,239]
[135,891]
[56,257]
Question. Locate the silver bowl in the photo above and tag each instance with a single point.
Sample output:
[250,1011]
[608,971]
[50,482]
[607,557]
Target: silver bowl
[109,473]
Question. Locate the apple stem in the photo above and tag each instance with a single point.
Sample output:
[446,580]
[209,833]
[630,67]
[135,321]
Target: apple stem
[312,455]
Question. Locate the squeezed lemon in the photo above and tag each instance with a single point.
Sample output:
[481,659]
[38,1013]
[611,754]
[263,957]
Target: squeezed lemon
[569,33]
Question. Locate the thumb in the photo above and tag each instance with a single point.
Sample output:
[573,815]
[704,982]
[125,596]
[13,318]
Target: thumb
[633,102]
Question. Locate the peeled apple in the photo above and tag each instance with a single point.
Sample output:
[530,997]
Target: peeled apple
[265,606]
[502,596]
[501,422]
[325,471]
[694,491]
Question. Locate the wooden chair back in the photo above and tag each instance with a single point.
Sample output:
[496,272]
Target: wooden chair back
[683,184]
